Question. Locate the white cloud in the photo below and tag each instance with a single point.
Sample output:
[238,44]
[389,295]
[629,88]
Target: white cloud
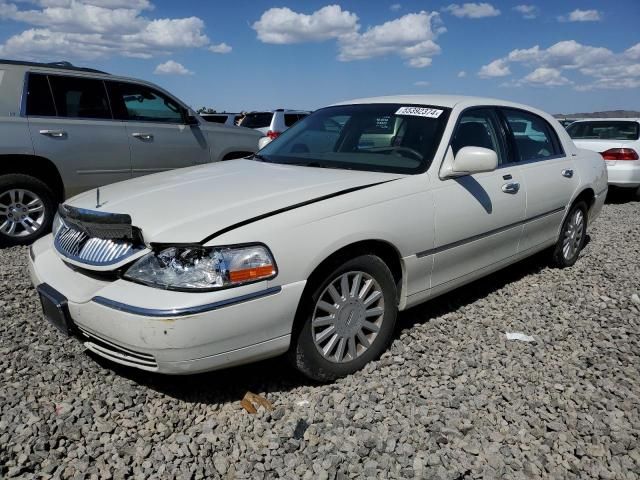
[171,67]
[462,74]
[581,16]
[220,48]
[411,36]
[283,25]
[90,29]
[472,10]
[527,11]
[497,68]
[591,67]
[421,83]
[544,76]
[395,7]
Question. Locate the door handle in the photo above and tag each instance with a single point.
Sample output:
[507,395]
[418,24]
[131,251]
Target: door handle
[143,136]
[53,133]
[511,187]
[567,173]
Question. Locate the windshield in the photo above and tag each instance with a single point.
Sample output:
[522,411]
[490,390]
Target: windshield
[604,130]
[386,137]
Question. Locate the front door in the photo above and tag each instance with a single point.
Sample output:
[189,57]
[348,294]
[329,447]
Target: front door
[478,218]
[158,137]
[70,123]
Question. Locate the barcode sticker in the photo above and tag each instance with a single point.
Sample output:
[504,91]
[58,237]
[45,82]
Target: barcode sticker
[419,112]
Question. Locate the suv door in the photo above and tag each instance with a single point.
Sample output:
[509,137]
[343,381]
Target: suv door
[478,217]
[71,124]
[158,136]
[549,174]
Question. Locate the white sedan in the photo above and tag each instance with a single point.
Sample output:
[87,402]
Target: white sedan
[313,245]
[618,141]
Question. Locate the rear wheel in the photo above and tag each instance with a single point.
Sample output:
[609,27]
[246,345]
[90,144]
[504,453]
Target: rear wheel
[27,208]
[347,321]
[572,236]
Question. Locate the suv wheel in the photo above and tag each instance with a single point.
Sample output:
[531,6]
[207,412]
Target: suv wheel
[26,209]
[347,321]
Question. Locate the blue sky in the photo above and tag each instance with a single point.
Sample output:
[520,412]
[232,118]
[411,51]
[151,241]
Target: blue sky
[568,56]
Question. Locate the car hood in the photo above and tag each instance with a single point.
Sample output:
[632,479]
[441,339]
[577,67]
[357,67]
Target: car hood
[190,204]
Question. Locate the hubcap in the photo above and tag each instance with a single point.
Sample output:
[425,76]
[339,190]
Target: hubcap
[573,235]
[347,317]
[21,212]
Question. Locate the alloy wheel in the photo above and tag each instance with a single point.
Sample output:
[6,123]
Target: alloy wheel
[573,235]
[347,316]
[22,212]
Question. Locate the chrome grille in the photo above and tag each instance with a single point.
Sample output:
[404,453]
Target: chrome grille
[77,245]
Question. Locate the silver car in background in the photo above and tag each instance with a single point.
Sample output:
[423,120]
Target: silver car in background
[64,130]
[618,141]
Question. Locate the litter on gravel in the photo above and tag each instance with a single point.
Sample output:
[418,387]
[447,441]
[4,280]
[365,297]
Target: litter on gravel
[519,336]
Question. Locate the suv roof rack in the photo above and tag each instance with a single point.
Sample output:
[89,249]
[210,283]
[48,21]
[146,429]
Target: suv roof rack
[58,65]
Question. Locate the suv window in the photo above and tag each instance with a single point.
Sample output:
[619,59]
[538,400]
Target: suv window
[604,130]
[141,103]
[39,98]
[533,136]
[257,120]
[291,118]
[478,128]
[77,97]
[215,118]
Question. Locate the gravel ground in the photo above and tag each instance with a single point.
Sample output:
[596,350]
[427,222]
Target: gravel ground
[452,399]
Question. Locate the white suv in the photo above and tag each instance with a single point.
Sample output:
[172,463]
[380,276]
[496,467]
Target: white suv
[64,130]
[272,124]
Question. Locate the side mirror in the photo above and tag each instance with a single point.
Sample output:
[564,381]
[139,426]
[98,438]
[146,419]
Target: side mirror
[469,160]
[263,142]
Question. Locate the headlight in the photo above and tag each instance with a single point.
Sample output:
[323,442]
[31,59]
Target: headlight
[201,268]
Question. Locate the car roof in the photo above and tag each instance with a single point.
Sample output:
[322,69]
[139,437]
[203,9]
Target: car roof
[51,65]
[448,101]
[617,119]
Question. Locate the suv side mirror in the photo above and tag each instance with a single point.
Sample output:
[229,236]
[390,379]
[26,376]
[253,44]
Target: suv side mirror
[470,160]
[189,118]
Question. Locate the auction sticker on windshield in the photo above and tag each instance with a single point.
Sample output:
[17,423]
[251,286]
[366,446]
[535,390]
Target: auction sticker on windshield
[419,112]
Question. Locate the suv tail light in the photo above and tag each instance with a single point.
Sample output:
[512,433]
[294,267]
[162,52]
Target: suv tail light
[620,154]
[273,134]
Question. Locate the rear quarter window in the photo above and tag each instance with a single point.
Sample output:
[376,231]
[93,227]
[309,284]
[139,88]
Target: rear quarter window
[257,120]
[604,130]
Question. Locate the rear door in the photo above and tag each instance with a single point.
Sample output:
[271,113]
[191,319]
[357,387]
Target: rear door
[549,175]
[158,137]
[71,124]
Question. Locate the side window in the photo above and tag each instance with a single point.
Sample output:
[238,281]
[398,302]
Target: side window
[39,99]
[77,97]
[534,138]
[141,103]
[290,119]
[478,128]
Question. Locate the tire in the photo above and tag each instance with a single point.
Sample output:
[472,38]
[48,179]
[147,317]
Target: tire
[354,320]
[27,208]
[572,236]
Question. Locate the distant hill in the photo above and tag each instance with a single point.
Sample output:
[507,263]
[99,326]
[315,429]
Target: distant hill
[606,114]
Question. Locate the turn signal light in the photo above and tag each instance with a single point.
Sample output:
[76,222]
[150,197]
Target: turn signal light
[248,274]
[620,154]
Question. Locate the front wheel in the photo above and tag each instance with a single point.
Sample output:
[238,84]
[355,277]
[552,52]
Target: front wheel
[347,321]
[572,236]
[26,209]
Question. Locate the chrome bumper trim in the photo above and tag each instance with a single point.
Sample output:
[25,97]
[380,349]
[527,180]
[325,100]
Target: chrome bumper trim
[180,312]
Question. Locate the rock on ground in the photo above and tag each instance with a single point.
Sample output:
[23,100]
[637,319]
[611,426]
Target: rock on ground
[451,399]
